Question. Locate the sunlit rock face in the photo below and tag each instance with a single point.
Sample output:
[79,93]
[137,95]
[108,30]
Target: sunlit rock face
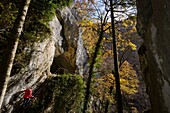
[154,27]
[62,52]
[74,56]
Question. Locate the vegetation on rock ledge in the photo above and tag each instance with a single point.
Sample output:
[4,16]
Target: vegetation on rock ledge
[64,94]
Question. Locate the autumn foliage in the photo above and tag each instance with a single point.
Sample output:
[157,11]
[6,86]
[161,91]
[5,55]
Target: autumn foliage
[103,78]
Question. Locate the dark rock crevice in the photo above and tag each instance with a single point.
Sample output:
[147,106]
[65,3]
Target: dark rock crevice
[62,34]
[144,14]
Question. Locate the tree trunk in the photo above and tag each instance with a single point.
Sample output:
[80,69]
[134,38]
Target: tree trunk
[87,94]
[8,57]
[116,67]
[107,102]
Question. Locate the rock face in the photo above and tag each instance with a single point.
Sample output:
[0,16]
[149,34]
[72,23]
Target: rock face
[154,25]
[62,52]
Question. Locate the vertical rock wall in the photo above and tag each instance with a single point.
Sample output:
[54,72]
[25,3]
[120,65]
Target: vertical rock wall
[64,46]
[153,24]
[74,55]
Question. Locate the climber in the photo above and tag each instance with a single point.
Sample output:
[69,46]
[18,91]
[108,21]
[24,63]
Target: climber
[27,96]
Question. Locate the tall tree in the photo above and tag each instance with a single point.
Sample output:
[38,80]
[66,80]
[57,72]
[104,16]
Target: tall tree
[8,57]
[87,94]
[97,17]
[100,30]
[116,67]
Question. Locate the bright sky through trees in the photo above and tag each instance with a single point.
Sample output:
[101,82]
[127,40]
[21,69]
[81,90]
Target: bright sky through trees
[97,9]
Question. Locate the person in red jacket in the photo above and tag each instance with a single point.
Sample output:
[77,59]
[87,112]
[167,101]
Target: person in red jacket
[27,96]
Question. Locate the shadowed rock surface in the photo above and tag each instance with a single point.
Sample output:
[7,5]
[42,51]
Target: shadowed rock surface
[153,25]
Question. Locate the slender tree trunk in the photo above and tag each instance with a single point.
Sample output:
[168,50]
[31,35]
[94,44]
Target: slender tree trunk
[107,102]
[116,67]
[8,57]
[87,94]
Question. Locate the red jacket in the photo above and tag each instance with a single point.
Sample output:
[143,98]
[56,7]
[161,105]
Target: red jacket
[28,93]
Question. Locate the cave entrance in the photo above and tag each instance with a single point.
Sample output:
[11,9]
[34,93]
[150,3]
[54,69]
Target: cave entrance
[61,65]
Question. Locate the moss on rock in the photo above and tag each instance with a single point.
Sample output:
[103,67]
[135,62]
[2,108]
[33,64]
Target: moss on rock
[60,94]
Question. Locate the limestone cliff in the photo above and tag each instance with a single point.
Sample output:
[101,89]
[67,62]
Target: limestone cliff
[153,25]
[59,53]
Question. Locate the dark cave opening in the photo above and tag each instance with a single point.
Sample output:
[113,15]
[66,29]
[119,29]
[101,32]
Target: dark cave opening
[61,65]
